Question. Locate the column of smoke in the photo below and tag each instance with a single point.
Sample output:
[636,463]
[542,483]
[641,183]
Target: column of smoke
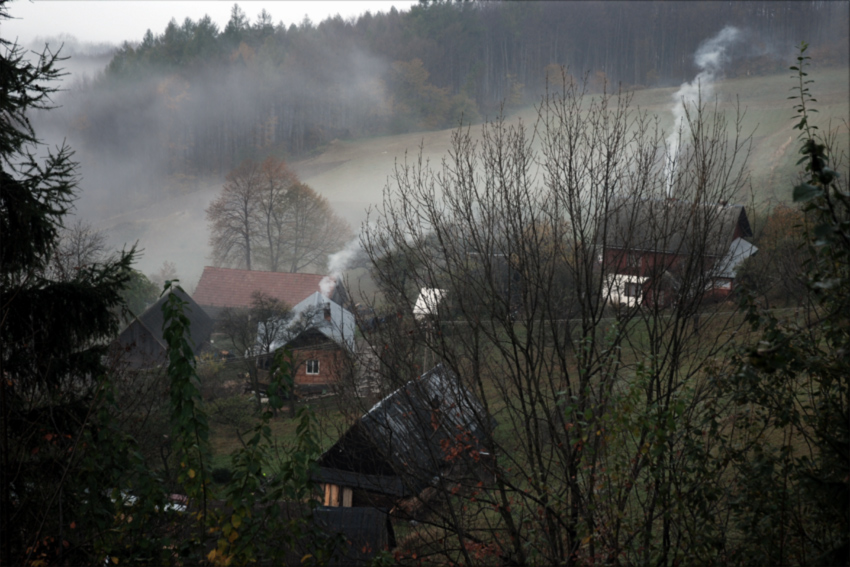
[709,57]
[338,262]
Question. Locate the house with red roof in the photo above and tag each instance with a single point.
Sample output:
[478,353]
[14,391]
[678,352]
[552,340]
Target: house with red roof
[647,245]
[220,288]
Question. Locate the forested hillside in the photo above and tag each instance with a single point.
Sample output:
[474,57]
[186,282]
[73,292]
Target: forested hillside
[195,100]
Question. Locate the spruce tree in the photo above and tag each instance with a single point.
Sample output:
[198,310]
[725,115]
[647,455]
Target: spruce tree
[54,335]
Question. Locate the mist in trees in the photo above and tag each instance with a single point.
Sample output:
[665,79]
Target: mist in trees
[193,100]
[59,304]
[266,219]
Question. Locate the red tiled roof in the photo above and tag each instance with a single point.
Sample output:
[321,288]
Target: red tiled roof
[225,287]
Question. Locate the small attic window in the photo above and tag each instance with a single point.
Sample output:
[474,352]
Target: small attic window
[327,311]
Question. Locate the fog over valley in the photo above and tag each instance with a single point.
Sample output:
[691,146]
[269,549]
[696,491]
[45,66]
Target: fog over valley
[425,283]
[157,124]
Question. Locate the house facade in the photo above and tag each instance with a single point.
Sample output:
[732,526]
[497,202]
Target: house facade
[430,426]
[321,337]
[649,247]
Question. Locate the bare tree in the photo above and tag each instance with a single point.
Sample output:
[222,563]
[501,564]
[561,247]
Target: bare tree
[255,331]
[598,453]
[232,217]
[168,271]
[266,218]
[276,184]
[80,245]
[310,229]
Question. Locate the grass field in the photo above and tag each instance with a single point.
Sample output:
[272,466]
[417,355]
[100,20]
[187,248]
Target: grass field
[352,174]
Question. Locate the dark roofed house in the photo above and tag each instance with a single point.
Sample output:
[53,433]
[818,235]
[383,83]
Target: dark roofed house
[430,426]
[360,533]
[219,288]
[646,243]
[143,338]
[365,532]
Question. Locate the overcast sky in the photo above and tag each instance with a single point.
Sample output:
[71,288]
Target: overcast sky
[116,21]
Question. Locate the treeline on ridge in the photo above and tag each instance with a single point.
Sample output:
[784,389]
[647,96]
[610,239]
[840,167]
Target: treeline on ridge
[197,100]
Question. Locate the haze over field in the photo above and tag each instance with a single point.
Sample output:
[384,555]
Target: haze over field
[594,309]
[154,142]
[353,174]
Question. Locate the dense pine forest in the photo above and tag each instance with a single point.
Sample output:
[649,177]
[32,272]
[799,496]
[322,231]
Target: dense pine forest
[195,100]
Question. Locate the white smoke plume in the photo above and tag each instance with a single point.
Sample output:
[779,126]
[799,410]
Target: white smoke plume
[338,262]
[709,57]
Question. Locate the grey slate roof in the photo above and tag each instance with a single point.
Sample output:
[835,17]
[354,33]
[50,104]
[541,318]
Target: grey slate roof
[148,325]
[672,226]
[309,314]
[411,431]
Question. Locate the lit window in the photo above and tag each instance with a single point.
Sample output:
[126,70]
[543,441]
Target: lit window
[312,367]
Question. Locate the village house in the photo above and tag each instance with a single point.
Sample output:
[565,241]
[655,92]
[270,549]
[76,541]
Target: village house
[321,337]
[360,533]
[220,288]
[648,245]
[432,426]
[142,340]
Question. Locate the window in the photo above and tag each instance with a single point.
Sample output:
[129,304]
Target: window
[634,260]
[632,290]
[312,367]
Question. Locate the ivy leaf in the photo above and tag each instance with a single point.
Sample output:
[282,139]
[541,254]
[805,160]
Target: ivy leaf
[805,192]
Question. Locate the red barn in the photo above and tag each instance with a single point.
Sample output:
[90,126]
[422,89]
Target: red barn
[651,247]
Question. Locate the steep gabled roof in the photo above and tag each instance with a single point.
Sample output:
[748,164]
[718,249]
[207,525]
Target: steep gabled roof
[428,301]
[673,227]
[200,324]
[339,327]
[739,251]
[413,432]
[226,287]
[310,315]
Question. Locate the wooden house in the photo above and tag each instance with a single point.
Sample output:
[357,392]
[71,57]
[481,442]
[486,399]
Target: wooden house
[359,533]
[647,246]
[431,426]
[142,340]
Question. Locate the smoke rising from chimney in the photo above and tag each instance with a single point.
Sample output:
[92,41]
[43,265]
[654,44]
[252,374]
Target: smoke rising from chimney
[338,262]
[709,57]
